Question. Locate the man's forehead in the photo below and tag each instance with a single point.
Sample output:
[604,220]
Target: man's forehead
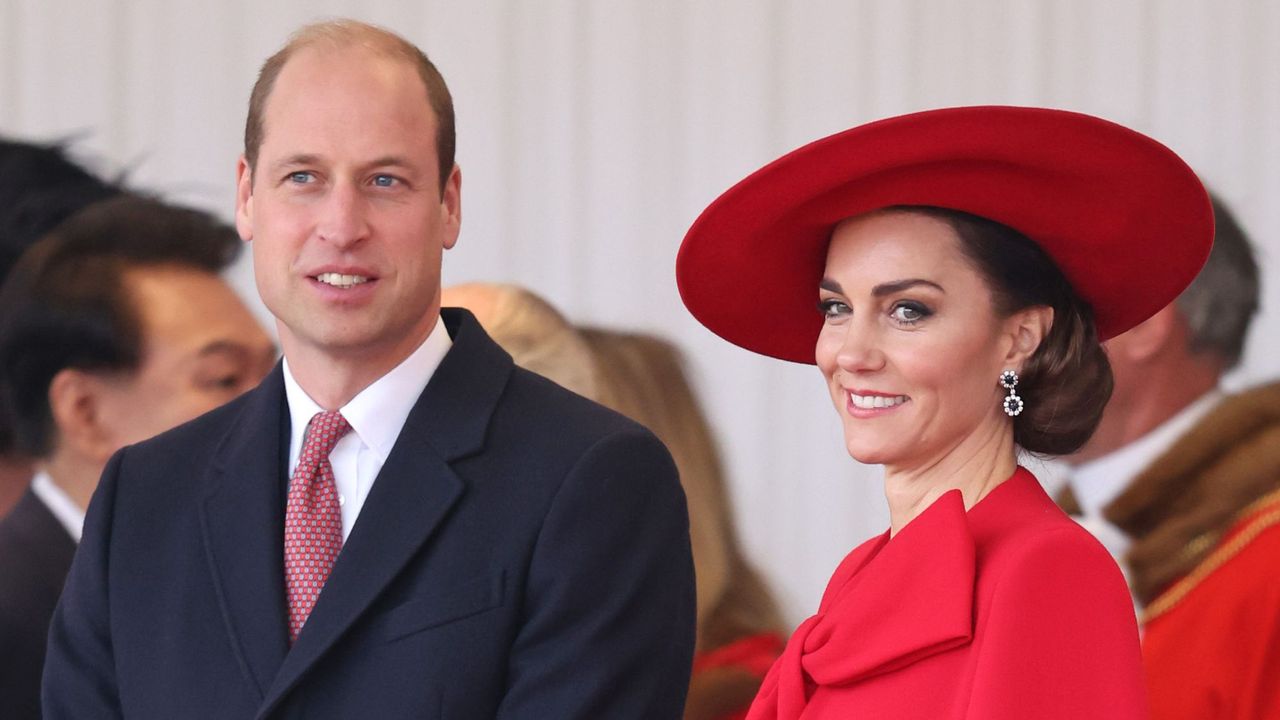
[362,73]
[347,96]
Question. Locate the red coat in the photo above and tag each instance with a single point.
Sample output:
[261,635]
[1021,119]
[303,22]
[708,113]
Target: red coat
[1212,640]
[1009,612]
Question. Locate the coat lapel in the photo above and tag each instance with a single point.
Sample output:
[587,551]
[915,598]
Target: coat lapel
[412,495]
[242,521]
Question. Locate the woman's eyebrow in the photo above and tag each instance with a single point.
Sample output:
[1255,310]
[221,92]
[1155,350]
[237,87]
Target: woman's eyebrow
[900,285]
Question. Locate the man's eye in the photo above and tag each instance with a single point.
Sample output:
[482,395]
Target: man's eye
[385,180]
[223,382]
[300,177]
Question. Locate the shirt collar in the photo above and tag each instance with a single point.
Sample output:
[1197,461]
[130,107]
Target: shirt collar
[64,509]
[377,413]
[1098,482]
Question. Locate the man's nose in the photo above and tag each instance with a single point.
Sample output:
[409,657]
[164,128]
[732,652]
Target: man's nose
[343,221]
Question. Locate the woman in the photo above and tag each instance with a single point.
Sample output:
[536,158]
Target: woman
[643,377]
[965,263]
[536,335]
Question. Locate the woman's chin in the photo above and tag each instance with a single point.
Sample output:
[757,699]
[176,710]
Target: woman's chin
[870,455]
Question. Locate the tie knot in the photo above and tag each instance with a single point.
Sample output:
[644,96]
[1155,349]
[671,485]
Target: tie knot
[323,433]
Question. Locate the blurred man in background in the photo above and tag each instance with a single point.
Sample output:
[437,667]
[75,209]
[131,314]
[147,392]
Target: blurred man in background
[115,327]
[39,188]
[1182,483]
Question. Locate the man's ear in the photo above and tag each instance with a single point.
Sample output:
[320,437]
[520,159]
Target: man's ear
[451,204]
[1026,329]
[1148,338]
[76,406]
[244,199]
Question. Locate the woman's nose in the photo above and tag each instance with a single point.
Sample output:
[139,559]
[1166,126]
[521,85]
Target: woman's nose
[860,350]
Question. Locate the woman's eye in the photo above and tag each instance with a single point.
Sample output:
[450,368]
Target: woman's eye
[831,307]
[908,313]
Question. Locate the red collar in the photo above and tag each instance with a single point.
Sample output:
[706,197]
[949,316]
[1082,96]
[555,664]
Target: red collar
[894,602]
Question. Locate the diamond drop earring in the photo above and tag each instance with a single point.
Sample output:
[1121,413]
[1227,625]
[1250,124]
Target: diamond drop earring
[1012,403]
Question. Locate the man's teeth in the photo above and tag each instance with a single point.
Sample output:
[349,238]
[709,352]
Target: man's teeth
[868,402]
[340,280]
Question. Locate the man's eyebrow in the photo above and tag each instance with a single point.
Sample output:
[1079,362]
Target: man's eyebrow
[900,285]
[390,161]
[293,161]
[218,347]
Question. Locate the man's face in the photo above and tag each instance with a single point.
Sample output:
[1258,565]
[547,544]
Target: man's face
[345,211]
[200,348]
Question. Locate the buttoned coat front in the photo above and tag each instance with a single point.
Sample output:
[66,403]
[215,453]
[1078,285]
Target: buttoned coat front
[523,553]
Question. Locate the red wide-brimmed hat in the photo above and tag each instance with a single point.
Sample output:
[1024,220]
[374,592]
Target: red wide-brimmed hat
[1125,219]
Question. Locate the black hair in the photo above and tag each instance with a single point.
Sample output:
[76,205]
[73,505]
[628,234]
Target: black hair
[65,305]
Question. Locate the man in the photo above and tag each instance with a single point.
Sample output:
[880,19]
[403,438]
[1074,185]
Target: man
[39,188]
[397,522]
[1182,483]
[112,329]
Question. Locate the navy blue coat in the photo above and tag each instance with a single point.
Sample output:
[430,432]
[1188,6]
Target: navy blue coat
[524,553]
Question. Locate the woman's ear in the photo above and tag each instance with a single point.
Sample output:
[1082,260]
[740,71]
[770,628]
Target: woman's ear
[1026,329]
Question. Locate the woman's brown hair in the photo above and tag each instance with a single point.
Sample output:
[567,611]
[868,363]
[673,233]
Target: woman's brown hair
[1067,382]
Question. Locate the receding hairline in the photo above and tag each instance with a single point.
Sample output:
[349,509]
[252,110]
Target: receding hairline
[347,34]
[344,33]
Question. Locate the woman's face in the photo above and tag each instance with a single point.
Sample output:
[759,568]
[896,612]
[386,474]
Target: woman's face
[911,345]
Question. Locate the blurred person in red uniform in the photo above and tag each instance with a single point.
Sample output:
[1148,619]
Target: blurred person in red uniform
[113,328]
[642,377]
[1182,483]
[951,273]
[39,188]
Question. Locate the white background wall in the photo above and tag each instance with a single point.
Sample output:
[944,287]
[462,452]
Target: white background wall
[592,133]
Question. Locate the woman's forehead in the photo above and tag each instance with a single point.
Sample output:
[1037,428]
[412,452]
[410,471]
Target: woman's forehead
[891,245]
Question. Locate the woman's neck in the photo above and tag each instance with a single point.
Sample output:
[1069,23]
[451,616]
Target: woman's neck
[974,466]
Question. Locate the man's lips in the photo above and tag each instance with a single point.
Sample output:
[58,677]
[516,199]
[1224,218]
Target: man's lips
[343,277]
[341,280]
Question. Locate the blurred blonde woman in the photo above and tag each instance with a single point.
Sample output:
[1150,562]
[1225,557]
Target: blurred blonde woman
[538,337]
[643,378]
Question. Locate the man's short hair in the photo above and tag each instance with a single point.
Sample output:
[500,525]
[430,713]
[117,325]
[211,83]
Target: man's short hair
[1221,302]
[39,188]
[348,33]
[66,305]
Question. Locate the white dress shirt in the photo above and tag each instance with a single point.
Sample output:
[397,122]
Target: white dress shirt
[376,415]
[64,509]
[1098,482]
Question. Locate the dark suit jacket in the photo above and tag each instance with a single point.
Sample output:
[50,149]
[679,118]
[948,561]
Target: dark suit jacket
[524,553]
[35,554]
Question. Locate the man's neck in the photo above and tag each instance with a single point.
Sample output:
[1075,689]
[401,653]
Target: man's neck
[74,475]
[332,378]
[1163,395]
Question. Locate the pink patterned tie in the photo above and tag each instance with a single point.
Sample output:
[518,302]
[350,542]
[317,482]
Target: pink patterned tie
[312,520]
